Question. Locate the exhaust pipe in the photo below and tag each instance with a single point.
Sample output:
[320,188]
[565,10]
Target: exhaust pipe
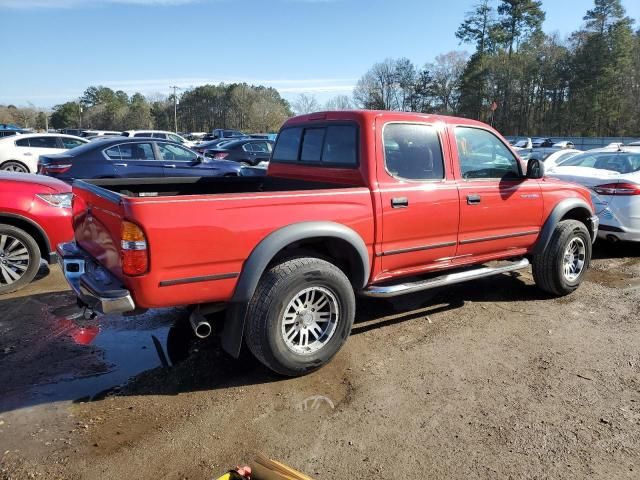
[613,238]
[200,326]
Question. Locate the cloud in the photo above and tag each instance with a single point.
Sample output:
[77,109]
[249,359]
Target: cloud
[288,87]
[26,4]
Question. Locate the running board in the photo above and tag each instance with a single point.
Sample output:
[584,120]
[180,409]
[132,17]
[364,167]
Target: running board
[448,279]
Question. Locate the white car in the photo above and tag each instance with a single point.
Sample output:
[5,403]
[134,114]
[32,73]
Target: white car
[613,176]
[174,137]
[523,144]
[20,153]
[564,144]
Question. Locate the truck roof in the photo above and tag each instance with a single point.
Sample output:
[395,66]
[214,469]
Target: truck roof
[370,115]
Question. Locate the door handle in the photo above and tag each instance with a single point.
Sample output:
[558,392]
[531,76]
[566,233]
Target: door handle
[473,199]
[119,164]
[27,154]
[399,202]
[170,165]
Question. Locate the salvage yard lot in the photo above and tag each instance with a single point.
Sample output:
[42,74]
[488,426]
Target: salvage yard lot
[487,379]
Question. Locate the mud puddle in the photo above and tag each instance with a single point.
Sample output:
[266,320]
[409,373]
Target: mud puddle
[613,280]
[49,352]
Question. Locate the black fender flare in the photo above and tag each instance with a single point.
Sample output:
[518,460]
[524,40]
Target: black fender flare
[559,211]
[261,256]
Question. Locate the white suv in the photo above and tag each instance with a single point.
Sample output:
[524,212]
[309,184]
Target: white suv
[20,153]
[173,137]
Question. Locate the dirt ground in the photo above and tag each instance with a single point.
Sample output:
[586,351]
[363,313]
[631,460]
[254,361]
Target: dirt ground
[490,379]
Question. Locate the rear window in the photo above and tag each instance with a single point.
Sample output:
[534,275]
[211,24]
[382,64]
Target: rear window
[621,162]
[333,145]
[288,145]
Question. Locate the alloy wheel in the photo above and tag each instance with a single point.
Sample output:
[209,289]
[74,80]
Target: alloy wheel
[14,259]
[574,259]
[310,320]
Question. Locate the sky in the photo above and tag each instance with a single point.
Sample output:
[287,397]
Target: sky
[54,49]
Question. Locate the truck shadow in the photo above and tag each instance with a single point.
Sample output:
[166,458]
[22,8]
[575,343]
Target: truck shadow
[48,356]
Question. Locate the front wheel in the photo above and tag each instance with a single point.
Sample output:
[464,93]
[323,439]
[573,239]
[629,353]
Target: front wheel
[560,269]
[300,315]
[19,258]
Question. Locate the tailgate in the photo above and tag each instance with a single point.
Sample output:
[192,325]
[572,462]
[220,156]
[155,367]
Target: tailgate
[97,221]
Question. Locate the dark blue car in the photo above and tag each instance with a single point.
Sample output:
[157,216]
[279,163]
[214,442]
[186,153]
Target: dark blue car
[116,157]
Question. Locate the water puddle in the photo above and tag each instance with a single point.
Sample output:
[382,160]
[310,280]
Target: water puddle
[64,357]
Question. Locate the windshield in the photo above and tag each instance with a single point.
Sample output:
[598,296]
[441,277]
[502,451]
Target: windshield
[621,162]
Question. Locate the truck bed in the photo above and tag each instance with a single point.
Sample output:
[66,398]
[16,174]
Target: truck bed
[199,231]
[180,186]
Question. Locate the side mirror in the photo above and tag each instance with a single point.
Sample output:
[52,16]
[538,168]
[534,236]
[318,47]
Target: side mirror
[535,168]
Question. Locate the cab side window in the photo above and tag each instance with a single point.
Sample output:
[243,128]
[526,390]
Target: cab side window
[483,156]
[413,151]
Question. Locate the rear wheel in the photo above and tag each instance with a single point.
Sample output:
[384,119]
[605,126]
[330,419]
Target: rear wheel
[300,315]
[19,258]
[562,266]
[14,167]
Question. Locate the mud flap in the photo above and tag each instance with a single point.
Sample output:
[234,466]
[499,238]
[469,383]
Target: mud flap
[233,331]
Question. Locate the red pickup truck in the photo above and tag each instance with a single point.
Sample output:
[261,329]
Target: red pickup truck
[355,202]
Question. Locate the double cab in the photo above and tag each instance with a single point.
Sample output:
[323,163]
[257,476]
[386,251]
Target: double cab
[369,203]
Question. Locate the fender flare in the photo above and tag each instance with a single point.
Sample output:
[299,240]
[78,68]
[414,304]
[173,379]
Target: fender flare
[259,259]
[558,212]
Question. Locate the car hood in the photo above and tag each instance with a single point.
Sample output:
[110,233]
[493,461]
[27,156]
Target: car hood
[32,178]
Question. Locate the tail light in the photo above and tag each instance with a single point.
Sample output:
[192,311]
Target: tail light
[221,155]
[134,253]
[622,188]
[54,168]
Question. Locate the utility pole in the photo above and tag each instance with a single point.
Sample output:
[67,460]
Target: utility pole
[175,108]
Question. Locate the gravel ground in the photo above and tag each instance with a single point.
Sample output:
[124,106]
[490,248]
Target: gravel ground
[490,379]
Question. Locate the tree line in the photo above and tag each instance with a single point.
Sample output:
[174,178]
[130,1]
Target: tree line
[521,79]
[236,106]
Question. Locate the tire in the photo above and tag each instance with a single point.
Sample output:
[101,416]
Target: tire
[552,269]
[16,244]
[284,305]
[12,166]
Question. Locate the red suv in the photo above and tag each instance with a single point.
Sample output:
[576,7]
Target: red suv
[35,215]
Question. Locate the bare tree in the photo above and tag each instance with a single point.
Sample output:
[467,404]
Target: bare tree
[340,102]
[305,104]
[446,72]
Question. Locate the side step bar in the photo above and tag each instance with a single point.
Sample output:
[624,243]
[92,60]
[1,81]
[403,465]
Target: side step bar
[448,279]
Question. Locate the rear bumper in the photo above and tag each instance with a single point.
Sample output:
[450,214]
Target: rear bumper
[618,233]
[94,286]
